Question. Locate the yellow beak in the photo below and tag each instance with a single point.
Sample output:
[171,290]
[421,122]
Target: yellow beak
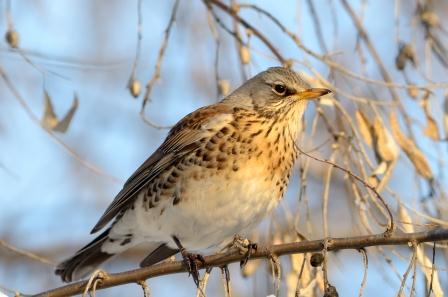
[313,93]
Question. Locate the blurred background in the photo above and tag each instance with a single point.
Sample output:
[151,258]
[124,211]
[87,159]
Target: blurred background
[72,130]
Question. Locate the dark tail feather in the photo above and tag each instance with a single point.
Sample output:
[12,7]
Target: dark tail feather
[157,255]
[85,261]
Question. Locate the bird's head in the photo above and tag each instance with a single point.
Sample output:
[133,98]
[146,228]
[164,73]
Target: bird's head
[273,89]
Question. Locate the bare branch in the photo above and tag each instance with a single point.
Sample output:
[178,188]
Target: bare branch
[218,260]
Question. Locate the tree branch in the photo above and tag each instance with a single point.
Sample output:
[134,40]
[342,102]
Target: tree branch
[234,14]
[218,260]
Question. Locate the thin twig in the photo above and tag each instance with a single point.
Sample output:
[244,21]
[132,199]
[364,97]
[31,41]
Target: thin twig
[200,292]
[391,225]
[276,273]
[317,26]
[95,278]
[411,264]
[27,254]
[432,269]
[132,78]
[145,288]
[225,276]
[366,266]
[156,74]
[234,14]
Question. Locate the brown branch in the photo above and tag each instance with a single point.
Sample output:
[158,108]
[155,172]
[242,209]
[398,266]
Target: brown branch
[218,260]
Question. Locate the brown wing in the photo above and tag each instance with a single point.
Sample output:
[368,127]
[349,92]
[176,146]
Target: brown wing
[184,138]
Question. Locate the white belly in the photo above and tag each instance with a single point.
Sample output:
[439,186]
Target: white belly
[211,211]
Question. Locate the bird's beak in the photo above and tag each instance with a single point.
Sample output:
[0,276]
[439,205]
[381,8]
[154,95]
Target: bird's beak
[313,93]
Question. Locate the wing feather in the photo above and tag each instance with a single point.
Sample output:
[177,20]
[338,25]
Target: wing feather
[184,138]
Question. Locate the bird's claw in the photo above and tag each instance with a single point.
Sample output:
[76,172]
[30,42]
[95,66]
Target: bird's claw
[246,247]
[191,263]
[251,248]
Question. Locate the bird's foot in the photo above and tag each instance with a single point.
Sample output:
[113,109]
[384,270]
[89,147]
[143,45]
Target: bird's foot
[245,246]
[191,264]
[191,261]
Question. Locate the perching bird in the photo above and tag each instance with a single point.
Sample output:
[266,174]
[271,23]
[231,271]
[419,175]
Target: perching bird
[219,172]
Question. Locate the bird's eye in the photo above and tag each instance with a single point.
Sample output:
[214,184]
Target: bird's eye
[280,89]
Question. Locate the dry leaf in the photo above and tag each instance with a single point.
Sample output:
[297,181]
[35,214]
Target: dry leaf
[405,219]
[384,145]
[365,127]
[244,54]
[381,169]
[414,154]
[49,119]
[63,125]
[431,130]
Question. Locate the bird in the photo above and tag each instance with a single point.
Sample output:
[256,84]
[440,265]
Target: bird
[219,172]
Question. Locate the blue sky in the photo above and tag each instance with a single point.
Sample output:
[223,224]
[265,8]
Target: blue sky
[48,198]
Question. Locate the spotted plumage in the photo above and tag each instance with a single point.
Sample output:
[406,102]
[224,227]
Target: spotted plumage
[218,173]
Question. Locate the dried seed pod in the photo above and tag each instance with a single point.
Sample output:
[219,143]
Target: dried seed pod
[384,145]
[223,87]
[431,130]
[134,87]
[245,55]
[412,91]
[316,259]
[12,37]
[406,53]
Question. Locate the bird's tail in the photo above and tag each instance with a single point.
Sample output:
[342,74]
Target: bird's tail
[85,261]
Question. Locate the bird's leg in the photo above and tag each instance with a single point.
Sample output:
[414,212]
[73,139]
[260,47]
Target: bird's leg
[190,260]
[245,246]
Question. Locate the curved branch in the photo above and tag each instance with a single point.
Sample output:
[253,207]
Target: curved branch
[231,12]
[218,260]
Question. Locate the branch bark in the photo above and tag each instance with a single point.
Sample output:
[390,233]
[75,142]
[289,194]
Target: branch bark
[218,260]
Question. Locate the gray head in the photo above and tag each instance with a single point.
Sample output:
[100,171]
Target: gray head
[273,88]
